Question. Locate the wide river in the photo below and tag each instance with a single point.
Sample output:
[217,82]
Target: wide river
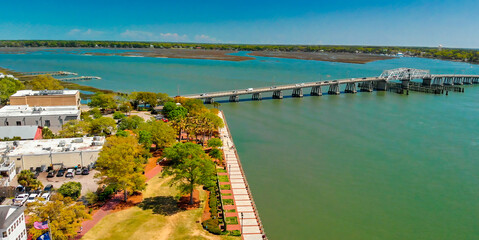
[355,166]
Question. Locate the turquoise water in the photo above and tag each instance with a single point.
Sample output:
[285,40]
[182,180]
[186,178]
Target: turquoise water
[365,166]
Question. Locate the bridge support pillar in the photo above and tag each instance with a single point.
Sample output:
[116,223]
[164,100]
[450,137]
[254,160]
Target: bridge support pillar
[405,84]
[350,88]
[475,80]
[298,92]
[438,81]
[366,86]
[334,89]
[426,81]
[316,91]
[256,96]
[234,98]
[467,80]
[381,85]
[448,81]
[458,80]
[278,95]
[209,100]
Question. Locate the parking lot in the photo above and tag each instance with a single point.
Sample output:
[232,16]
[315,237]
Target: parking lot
[88,182]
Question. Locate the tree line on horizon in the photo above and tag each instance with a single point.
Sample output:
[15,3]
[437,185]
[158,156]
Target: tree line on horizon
[456,54]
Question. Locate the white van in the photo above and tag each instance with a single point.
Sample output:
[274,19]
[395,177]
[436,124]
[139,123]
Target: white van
[249,89]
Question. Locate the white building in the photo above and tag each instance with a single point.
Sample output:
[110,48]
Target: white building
[68,152]
[52,117]
[12,223]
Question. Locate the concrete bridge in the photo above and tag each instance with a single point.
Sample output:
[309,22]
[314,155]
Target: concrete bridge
[81,78]
[351,85]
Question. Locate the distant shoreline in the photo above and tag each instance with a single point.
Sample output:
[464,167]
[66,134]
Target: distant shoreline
[223,55]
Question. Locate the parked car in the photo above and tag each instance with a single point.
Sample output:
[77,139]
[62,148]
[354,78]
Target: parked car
[48,188]
[32,198]
[78,171]
[85,171]
[20,188]
[46,196]
[51,173]
[70,173]
[20,199]
[61,172]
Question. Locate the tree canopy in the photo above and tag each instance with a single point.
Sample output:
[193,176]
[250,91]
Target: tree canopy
[70,189]
[162,134]
[103,126]
[120,163]
[64,214]
[190,167]
[104,101]
[44,82]
[9,86]
[25,178]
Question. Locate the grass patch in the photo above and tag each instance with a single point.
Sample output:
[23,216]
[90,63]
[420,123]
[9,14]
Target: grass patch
[231,210]
[223,178]
[221,170]
[228,202]
[225,187]
[232,220]
[155,218]
[226,194]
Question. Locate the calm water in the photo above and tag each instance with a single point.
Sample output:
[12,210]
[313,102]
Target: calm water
[365,166]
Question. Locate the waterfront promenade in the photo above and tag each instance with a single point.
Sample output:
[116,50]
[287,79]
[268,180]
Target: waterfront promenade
[251,226]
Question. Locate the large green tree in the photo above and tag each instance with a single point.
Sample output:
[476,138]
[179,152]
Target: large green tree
[104,101]
[189,167]
[120,162]
[103,126]
[44,82]
[70,189]
[75,128]
[162,134]
[64,214]
[25,178]
[9,86]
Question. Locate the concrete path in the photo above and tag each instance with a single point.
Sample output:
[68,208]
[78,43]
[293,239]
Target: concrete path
[249,221]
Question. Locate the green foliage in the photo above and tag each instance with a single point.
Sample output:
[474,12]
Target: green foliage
[85,116]
[64,214]
[232,220]
[75,128]
[215,142]
[162,134]
[91,198]
[5,139]
[104,101]
[145,138]
[120,163]
[121,133]
[212,226]
[144,98]
[130,123]
[163,98]
[71,189]
[102,126]
[25,178]
[167,108]
[96,112]
[125,107]
[9,86]
[178,113]
[225,187]
[236,233]
[216,153]
[47,133]
[107,193]
[223,178]
[194,106]
[44,82]
[118,115]
[189,168]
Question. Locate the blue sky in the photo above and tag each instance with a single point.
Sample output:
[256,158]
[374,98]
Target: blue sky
[373,22]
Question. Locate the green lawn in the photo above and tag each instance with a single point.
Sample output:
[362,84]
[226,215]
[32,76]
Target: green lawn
[157,217]
[223,178]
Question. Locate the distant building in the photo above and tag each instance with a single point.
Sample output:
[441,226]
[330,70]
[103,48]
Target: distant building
[24,132]
[51,117]
[68,152]
[12,223]
[46,98]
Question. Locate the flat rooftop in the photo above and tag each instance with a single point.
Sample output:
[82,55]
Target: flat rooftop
[25,110]
[25,132]
[45,146]
[22,93]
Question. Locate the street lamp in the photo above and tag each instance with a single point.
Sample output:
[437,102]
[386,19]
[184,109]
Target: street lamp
[241,223]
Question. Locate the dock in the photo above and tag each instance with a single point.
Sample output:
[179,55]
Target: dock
[81,78]
[248,217]
[52,73]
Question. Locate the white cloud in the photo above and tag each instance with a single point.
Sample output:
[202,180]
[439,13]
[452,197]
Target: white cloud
[205,39]
[150,36]
[84,33]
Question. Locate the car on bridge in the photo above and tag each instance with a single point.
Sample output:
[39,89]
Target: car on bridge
[203,94]
[249,89]
[273,87]
[234,91]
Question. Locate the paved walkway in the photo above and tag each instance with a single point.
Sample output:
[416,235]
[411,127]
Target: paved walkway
[249,222]
[111,204]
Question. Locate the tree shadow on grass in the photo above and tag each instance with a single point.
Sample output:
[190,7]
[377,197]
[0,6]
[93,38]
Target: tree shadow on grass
[164,205]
